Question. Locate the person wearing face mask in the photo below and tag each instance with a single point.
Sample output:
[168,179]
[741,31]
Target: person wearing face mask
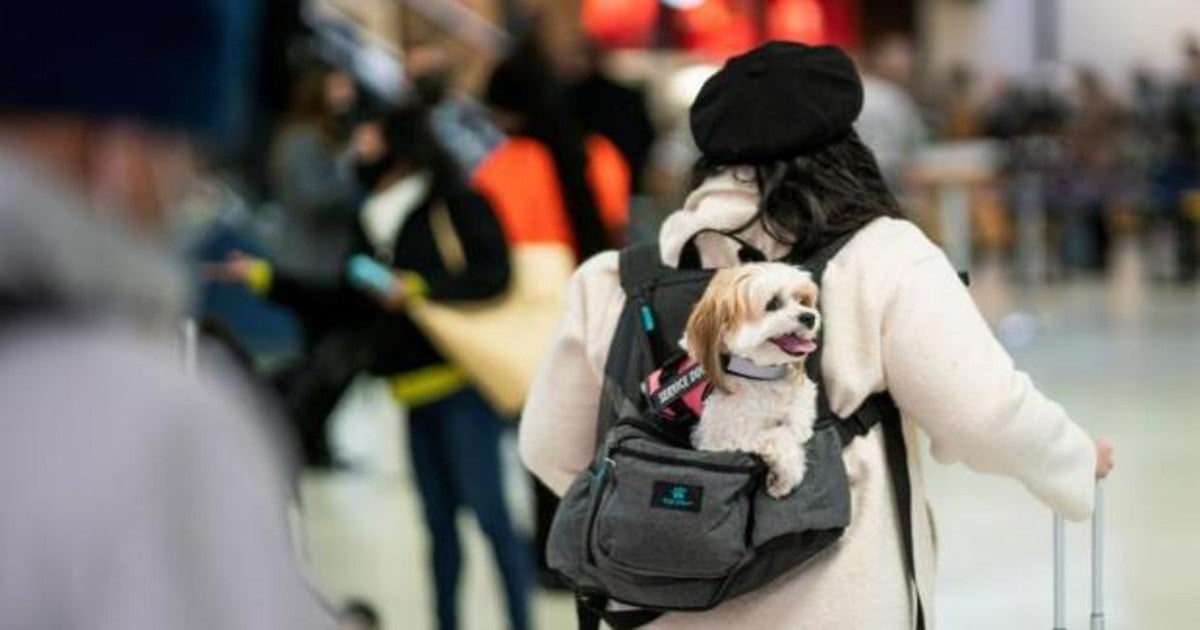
[440,241]
[135,492]
[551,184]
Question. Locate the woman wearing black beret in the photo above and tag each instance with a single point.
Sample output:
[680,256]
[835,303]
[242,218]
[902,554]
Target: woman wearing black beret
[783,171]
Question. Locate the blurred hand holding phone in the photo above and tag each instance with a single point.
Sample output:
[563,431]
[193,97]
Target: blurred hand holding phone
[367,274]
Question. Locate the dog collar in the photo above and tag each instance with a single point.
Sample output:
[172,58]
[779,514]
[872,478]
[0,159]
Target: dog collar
[745,368]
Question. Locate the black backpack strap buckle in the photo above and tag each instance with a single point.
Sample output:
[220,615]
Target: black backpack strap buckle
[871,412]
[591,609]
[640,266]
[850,428]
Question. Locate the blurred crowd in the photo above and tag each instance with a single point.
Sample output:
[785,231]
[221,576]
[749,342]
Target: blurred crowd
[1069,163]
[372,205]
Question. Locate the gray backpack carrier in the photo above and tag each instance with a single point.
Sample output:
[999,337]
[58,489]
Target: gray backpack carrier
[658,525]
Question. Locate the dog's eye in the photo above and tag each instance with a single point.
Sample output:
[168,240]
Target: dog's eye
[775,304]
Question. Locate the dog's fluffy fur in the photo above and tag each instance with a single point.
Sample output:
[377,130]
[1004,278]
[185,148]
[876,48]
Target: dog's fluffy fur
[765,313]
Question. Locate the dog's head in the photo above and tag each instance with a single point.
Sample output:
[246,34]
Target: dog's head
[764,312]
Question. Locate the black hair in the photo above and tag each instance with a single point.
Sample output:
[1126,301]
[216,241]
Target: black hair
[412,143]
[810,200]
[524,84]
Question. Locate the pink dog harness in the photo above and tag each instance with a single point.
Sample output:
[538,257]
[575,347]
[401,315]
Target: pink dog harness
[677,391]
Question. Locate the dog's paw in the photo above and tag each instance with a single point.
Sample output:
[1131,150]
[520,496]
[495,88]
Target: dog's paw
[768,450]
[780,485]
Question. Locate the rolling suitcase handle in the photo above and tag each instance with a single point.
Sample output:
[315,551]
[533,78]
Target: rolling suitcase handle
[1060,606]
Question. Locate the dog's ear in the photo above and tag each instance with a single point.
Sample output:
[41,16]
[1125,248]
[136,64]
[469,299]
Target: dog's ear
[703,338]
[720,309]
[807,292]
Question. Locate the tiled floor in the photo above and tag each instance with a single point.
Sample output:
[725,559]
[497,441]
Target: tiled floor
[1123,358]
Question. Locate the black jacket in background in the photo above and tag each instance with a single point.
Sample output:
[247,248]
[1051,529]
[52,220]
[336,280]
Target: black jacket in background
[397,345]
[619,114]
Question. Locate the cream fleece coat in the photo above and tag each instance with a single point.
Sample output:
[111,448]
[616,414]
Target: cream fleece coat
[897,318]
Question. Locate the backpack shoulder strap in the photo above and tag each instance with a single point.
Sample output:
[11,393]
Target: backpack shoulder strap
[819,260]
[878,409]
[640,265]
[896,453]
[815,264]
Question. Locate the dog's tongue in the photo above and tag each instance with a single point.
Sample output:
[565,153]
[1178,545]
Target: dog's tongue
[793,344]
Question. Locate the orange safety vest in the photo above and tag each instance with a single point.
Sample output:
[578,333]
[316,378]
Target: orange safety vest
[520,181]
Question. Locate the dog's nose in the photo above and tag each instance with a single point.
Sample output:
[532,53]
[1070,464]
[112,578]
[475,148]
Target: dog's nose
[808,320]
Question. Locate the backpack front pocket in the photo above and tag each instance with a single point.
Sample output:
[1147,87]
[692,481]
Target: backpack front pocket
[674,512]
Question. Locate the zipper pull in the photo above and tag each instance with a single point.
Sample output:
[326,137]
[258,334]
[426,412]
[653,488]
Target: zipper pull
[648,323]
[604,463]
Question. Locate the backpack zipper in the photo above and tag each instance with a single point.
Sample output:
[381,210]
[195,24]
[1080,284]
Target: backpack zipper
[666,459]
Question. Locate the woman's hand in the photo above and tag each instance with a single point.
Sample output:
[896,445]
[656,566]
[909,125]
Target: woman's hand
[1104,458]
[238,268]
[397,299]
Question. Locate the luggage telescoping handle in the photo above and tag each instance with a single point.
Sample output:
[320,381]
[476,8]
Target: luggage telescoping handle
[1060,562]
[1098,559]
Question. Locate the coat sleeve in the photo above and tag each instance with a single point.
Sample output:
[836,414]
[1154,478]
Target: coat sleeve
[949,374]
[487,271]
[558,428]
[315,301]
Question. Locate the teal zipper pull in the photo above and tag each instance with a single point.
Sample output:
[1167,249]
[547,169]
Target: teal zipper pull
[647,318]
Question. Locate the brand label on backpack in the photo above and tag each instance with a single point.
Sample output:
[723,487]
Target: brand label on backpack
[677,496]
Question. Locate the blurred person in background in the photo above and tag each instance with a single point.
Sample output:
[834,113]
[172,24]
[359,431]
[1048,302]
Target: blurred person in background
[133,495]
[961,115]
[1151,106]
[550,183]
[461,124]
[891,123]
[416,194]
[312,177]
[1183,177]
[313,181]
[608,108]
[1096,136]
[345,101]
[1151,152]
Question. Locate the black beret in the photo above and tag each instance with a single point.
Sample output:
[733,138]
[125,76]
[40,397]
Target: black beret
[777,101]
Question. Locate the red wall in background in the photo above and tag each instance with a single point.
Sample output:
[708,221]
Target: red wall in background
[842,22]
[720,28]
[813,21]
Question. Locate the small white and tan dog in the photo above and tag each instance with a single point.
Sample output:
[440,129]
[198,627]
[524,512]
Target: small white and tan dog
[751,332]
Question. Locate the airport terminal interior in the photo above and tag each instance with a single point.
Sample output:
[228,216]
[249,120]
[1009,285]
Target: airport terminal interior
[402,170]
